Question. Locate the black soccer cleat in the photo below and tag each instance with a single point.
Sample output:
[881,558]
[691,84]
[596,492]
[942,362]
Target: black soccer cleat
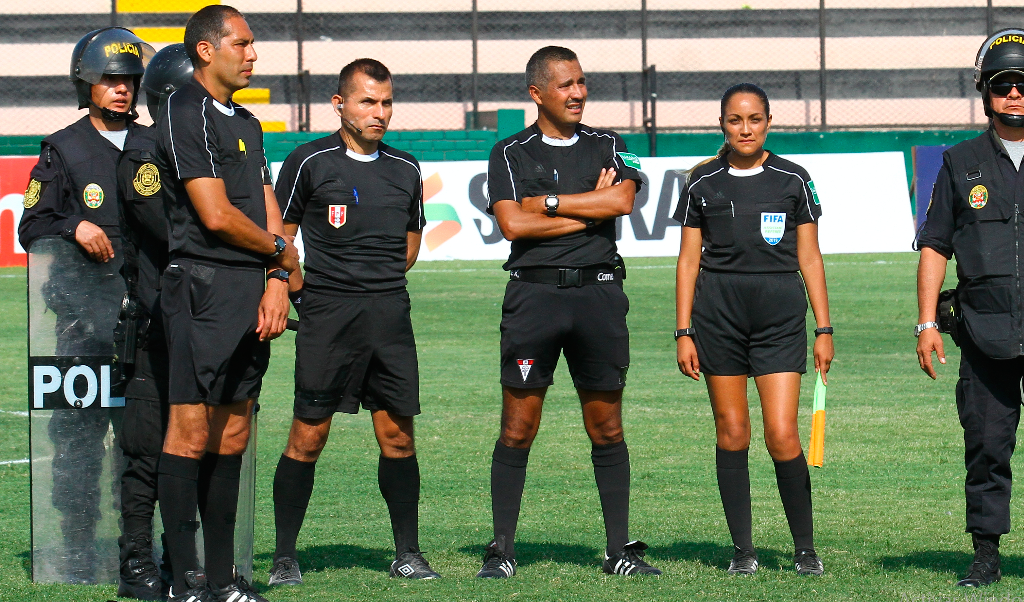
[285,572]
[412,565]
[985,568]
[197,591]
[239,591]
[744,562]
[629,561]
[807,562]
[497,565]
[139,576]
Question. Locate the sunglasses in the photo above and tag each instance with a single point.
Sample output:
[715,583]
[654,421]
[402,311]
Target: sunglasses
[1003,88]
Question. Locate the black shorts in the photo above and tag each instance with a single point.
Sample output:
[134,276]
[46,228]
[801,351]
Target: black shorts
[149,374]
[587,324]
[210,316]
[355,349]
[750,324]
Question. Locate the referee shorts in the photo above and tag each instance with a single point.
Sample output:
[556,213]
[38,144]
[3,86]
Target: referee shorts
[355,350]
[210,316]
[750,324]
[587,324]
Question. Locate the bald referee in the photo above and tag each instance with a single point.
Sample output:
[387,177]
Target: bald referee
[359,204]
[555,190]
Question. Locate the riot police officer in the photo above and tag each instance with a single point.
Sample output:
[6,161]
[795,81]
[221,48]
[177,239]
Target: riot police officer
[973,215]
[71,193]
[144,236]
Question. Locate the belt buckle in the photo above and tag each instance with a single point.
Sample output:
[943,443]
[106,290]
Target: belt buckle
[570,277]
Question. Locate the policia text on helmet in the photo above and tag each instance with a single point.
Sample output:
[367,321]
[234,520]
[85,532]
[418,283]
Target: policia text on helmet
[111,51]
[1000,63]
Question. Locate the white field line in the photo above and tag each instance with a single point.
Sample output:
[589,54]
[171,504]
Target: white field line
[7,462]
[14,412]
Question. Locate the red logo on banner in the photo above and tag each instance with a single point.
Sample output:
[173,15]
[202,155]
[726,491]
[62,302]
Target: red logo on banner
[14,173]
[337,215]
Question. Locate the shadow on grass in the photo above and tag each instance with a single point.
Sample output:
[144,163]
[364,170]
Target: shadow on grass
[714,555]
[26,563]
[528,553]
[948,561]
[340,556]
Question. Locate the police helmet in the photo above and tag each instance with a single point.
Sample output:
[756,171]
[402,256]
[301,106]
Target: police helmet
[1003,51]
[111,51]
[167,71]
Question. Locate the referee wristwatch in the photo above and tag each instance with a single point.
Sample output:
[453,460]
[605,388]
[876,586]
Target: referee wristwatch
[279,245]
[551,205]
[279,274]
[923,327]
[685,332]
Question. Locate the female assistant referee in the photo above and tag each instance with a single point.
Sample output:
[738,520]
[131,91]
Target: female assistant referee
[749,225]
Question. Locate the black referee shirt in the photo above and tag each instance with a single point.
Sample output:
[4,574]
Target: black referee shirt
[201,138]
[355,212]
[748,217]
[531,164]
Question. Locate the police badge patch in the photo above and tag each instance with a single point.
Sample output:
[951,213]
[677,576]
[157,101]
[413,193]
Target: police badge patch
[773,226]
[32,193]
[147,180]
[93,196]
[337,215]
[978,197]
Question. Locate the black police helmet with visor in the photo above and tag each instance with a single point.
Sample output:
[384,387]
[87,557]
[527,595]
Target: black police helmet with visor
[167,71]
[108,51]
[1001,54]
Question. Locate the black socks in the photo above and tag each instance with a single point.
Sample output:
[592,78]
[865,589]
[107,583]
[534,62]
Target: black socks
[611,471]
[734,487]
[178,492]
[399,480]
[293,486]
[218,503]
[795,489]
[508,476]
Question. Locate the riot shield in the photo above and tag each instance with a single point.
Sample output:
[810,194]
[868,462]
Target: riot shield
[73,304]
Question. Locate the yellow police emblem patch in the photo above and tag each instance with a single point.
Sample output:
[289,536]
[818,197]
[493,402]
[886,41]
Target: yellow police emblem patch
[32,193]
[93,196]
[978,197]
[147,180]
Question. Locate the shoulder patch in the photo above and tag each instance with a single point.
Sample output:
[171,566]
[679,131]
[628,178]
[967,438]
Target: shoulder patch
[147,180]
[32,193]
[630,160]
[93,196]
[814,192]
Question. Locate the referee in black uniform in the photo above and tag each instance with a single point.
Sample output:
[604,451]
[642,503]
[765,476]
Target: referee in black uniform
[359,203]
[749,226]
[555,189]
[220,303]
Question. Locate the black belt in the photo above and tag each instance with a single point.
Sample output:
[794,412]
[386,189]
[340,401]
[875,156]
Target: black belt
[568,277]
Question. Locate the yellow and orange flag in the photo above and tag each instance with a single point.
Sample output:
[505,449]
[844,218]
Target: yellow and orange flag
[816,448]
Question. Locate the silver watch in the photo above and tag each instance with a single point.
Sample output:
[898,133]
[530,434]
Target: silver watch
[923,327]
[551,205]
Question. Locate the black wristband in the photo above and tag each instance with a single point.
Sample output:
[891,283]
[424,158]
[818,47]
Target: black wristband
[685,332]
[279,274]
[822,330]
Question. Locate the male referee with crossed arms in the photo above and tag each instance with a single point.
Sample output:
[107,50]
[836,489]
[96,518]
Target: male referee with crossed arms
[555,191]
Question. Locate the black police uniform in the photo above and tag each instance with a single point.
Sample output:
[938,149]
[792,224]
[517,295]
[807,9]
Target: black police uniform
[355,341]
[565,293]
[211,290]
[144,231]
[74,181]
[974,214]
[749,307]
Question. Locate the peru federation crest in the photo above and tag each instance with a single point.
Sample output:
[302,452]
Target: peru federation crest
[773,226]
[337,215]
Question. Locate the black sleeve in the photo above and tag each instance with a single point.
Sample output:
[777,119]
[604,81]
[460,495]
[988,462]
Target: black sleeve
[293,188]
[937,230]
[688,209]
[267,180]
[625,163]
[503,183]
[808,206]
[143,215]
[190,138]
[416,218]
[49,210]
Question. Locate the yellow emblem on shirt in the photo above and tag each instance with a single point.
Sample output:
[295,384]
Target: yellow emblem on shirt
[147,180]
[978,197]
[93,196]
[241,145]
[32,193]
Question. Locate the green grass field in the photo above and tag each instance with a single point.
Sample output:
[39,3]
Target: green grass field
[889,505]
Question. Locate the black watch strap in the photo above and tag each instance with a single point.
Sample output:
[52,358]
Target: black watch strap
[279,274]
[823,330]
[686,332]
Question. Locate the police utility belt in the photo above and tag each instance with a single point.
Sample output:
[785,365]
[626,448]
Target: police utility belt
[570,277]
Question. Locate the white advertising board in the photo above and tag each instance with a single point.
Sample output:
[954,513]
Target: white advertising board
[864,198]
